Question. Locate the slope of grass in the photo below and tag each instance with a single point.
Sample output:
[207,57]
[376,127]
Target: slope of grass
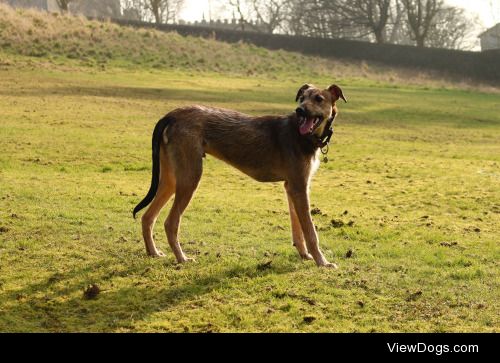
[93,43]
[60,40]
[415,170]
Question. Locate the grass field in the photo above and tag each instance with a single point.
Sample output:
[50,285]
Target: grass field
[411,188]
[416,170]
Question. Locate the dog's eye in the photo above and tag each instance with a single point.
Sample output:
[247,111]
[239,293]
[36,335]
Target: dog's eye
[319,98]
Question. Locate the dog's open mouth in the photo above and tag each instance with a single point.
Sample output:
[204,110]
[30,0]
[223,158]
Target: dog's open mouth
[308,125]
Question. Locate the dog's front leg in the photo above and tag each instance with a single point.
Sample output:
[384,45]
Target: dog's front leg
[297,235]
[300,199]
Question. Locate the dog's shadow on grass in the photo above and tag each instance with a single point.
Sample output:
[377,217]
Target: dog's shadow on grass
[119,308]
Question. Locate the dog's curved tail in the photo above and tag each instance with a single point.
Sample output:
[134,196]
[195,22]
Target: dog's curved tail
[155,179]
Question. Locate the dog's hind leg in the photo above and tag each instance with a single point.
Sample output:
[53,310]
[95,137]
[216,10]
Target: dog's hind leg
[188,170]
[297,235]
[166,189]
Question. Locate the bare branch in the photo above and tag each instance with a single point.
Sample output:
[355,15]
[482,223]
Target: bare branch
[164,11]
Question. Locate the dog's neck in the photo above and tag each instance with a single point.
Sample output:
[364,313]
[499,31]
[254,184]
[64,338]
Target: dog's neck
[324,140]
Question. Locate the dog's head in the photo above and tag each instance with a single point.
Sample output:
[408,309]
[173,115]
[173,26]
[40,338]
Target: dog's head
[316,107]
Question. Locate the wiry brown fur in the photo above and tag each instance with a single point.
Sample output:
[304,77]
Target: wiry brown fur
[268,149]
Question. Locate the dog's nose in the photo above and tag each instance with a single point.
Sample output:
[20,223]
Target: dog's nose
[300,112]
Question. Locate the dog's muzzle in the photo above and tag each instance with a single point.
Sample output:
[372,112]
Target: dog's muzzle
[307,123]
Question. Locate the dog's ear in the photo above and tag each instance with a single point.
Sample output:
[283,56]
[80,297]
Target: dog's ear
[337,93]
[302,90]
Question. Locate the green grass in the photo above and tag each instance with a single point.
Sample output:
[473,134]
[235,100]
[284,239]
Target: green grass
[417,171]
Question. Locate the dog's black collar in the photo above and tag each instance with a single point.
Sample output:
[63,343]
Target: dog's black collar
[323,141]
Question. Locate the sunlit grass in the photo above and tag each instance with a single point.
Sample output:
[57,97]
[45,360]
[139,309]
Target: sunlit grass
[416,171]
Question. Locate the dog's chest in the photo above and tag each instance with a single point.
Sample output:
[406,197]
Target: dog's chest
[315,163]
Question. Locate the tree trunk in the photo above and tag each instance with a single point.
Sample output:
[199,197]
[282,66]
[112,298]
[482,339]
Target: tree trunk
[157,17]
[63,5]
[379,36]
[156,13]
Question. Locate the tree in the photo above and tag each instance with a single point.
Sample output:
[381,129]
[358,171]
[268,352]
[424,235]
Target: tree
[326,19]
[370,14]
[240,7]
[97,8]
[134,10]
[63,5]
[398,32]
[452,29]
[420,16]
[270,13]
[298,13]
[432,23]
[294,22]
[164,11]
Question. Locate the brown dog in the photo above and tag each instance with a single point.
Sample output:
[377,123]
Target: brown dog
[269,149]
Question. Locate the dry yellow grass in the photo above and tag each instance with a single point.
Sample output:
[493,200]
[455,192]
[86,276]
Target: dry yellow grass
[57,37]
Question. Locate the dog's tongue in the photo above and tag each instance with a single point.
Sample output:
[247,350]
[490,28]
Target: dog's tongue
[305,128]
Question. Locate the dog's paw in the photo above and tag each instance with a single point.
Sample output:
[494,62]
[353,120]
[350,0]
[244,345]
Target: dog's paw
[186,259]
[307,257]
[157,254]
[327,264]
